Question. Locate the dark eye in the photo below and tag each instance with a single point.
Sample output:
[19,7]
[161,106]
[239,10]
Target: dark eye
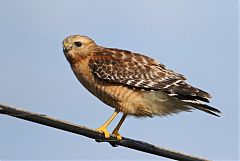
[78,44]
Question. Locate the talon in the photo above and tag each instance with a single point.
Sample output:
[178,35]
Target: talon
[104,131]
[118,136]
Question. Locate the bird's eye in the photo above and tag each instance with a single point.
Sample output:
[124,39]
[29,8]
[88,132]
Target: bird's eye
[78,44]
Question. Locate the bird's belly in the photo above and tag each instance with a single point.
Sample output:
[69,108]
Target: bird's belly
[132,102]
[117,96]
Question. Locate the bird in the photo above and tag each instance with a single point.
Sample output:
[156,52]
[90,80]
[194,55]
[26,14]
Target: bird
[132,83]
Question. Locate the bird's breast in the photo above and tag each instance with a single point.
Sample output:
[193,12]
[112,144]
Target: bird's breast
[115,95]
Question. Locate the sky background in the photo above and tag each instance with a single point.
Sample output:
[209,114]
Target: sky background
[196,38]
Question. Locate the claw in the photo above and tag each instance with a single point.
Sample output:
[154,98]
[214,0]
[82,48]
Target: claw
[104,130]
[118,136]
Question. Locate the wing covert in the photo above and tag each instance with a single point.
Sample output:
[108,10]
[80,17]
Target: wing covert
[132,69]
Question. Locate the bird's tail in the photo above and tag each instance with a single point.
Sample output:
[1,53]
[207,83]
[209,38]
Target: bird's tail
[203,107]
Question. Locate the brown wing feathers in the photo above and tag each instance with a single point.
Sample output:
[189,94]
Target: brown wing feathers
[141,72]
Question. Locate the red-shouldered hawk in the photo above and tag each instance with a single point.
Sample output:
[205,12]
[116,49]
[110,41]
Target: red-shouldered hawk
[131,83]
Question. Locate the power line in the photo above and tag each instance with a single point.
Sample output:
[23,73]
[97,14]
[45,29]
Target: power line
[93,134]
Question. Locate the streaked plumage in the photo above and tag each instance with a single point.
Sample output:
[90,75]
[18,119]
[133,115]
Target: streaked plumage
[131,82]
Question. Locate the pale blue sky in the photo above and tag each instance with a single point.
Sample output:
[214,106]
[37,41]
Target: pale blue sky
[196,38]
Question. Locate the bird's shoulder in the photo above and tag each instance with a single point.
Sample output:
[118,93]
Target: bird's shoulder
[130,68]
[123,56]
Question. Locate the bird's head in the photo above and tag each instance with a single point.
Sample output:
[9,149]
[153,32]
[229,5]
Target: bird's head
[75,46]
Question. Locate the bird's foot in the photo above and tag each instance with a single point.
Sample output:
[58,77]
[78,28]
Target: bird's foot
[116,133]
[104,130]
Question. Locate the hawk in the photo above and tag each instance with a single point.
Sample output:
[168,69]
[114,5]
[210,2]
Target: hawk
[132,83]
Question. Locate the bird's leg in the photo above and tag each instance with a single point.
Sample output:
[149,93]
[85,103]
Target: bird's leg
[103,128]
[115,131]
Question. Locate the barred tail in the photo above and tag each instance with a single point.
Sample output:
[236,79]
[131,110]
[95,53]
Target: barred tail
[203,107]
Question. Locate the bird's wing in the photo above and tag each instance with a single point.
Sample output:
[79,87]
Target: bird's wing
[141,72]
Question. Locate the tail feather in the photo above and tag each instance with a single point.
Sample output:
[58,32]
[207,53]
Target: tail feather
[203,107]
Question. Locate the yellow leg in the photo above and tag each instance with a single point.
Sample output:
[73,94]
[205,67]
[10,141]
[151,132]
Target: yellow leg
[115,131]
[103,128]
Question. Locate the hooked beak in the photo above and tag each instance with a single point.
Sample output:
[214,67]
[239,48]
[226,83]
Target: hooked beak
[66,47]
